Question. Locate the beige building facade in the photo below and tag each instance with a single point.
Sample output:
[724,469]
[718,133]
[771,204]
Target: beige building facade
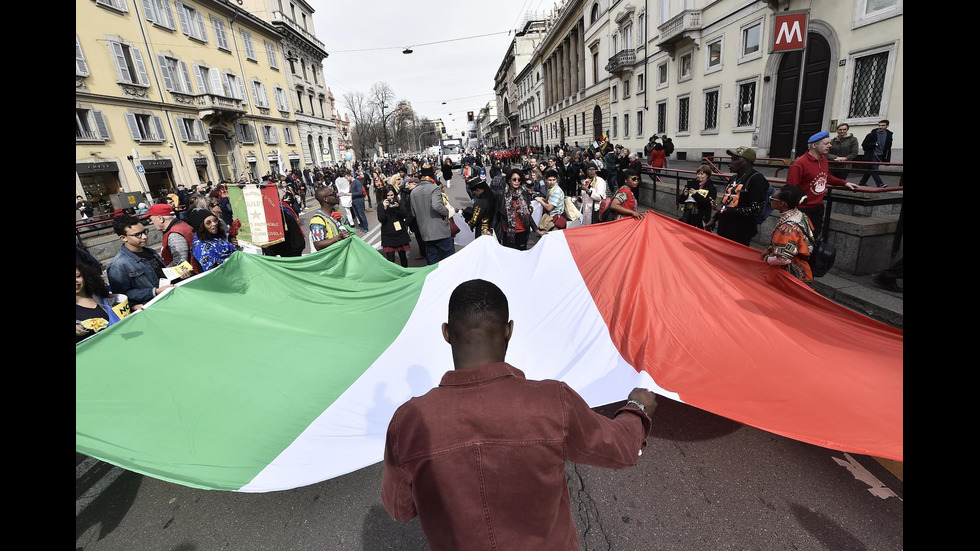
[314,109]
[707,74]
[170,93]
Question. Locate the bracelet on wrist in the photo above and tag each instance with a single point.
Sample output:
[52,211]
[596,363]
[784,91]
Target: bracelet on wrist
[637,404]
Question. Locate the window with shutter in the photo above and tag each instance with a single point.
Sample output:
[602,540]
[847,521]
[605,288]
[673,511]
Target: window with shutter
[220,36]
[130,68]
[145,128]
[118,5]
[270,50]
[191,22]
[159,13]
[81,67]
[249,46]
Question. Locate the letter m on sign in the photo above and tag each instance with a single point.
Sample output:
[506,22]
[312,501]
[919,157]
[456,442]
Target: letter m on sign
[790,31]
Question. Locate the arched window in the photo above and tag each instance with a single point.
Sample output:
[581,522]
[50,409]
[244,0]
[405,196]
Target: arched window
[595,13]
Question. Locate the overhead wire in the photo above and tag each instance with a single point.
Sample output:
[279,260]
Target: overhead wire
[417,45]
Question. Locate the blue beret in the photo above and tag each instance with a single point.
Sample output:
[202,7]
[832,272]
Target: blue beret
[818,136]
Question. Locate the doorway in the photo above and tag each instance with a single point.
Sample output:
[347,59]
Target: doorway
[812,96]
[596,124]
[223,156]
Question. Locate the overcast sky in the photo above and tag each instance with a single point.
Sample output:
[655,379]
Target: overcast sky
[365,40]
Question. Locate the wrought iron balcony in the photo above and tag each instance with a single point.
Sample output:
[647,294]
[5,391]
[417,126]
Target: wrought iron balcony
[624,59]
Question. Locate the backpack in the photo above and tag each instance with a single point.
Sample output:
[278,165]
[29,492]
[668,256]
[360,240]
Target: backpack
[606,214]
[766,207]
[668,147]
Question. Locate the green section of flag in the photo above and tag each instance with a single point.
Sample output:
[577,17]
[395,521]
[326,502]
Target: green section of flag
[211,382]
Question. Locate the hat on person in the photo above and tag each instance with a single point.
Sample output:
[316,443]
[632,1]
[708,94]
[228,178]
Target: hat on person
[744,152]
[197,217]
[474,178]
[160,209]
[818,136]
[427,170]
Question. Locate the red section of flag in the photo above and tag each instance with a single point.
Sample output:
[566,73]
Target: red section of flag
[707,319]
[273,214]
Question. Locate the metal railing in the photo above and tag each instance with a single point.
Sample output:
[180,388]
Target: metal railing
[866,199]
[90,225]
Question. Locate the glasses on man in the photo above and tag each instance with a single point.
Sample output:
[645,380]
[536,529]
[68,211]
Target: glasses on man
[138,234]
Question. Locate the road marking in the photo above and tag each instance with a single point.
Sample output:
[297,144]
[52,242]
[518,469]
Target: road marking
[877,488]
[89,496]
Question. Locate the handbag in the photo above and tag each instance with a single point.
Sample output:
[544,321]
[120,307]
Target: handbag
[571,211]
[822,258]
[560,221]
[606,214]
[453,228]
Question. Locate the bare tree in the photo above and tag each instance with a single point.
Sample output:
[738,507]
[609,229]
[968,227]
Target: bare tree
[383,99]
[364,133]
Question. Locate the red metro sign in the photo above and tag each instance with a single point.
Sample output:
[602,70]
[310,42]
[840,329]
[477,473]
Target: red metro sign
[789,31]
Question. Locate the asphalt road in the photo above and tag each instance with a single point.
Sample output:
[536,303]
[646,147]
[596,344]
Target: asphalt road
[704,483]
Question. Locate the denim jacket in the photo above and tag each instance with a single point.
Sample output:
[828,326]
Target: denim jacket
[132,276]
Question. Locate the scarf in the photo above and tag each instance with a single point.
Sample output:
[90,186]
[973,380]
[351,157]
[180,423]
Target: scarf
[510,196]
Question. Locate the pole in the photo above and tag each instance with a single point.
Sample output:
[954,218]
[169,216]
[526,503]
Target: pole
[799,94]
[143,187]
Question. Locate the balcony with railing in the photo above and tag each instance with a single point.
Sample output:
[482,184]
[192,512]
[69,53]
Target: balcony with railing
[283,19]
[213,104]
[684,27]
[623,60]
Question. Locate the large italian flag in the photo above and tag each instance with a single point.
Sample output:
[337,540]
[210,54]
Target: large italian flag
[273,373]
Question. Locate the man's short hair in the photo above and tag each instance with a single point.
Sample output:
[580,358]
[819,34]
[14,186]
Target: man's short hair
[476,301]
[550,173]
[123,221]
[885,121]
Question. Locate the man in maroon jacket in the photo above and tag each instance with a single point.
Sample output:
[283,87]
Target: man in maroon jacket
[481,458]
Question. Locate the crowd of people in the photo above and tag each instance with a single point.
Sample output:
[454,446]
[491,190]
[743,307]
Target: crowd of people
[505,185]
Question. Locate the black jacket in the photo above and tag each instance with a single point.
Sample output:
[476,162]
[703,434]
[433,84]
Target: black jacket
[704,211]
[483,210]
[388,217]
[871,142]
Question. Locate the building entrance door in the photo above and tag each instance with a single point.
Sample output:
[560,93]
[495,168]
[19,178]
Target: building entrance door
[596,124]
[812,98]
[221,149]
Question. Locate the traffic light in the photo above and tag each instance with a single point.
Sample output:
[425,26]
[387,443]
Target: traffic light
[469,116]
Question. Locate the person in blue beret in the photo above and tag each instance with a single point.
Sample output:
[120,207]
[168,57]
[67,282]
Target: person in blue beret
[810,173]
